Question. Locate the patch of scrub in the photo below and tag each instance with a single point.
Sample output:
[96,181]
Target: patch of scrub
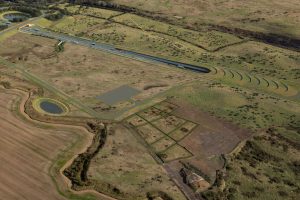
[50,106]
[123,93]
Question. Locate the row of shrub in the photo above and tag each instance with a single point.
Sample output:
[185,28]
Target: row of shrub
[32,11]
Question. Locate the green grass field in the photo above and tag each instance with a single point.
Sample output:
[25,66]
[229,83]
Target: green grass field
[76,25]
[96,12]
[208,39]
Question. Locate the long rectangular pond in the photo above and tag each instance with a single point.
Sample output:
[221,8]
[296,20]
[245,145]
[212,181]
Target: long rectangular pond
[111,49]
[123,93]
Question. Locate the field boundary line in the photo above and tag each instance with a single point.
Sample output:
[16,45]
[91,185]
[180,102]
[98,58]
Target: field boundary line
[144,143]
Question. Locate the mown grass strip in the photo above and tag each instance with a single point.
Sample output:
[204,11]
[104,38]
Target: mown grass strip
[232,74]
[285,86]
[268,84]
[249,77]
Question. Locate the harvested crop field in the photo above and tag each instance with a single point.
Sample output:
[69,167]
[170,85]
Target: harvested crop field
[27,151]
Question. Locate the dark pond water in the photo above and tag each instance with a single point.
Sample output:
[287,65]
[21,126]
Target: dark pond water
[16,17]
[123,93]
[51,107]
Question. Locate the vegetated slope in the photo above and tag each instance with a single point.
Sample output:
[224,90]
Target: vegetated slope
[274,22]
[267,167]
[281,17]
[25,153]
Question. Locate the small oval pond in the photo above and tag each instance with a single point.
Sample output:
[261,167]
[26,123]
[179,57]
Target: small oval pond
[16,17]
[51,107]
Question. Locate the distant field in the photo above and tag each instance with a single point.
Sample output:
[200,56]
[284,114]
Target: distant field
[7,34]
[77,24]
[281,17]
[209,39]
[247,108]
[96,12]
[278,68]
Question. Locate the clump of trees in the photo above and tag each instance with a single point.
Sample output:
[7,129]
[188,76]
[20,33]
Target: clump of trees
[3,26]
[33,12]
[59,47]
[106,4]
[54,15]
[5,84]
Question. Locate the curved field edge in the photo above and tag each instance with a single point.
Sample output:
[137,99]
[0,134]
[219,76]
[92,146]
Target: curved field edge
[65,159]
[65,156]
[36,104]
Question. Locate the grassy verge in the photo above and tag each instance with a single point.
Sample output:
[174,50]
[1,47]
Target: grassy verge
[7,34]
[59,162]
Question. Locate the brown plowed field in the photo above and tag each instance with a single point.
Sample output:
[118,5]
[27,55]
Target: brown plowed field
[26,152]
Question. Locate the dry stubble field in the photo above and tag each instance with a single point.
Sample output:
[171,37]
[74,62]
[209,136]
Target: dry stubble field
[27,151]
[34,154]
